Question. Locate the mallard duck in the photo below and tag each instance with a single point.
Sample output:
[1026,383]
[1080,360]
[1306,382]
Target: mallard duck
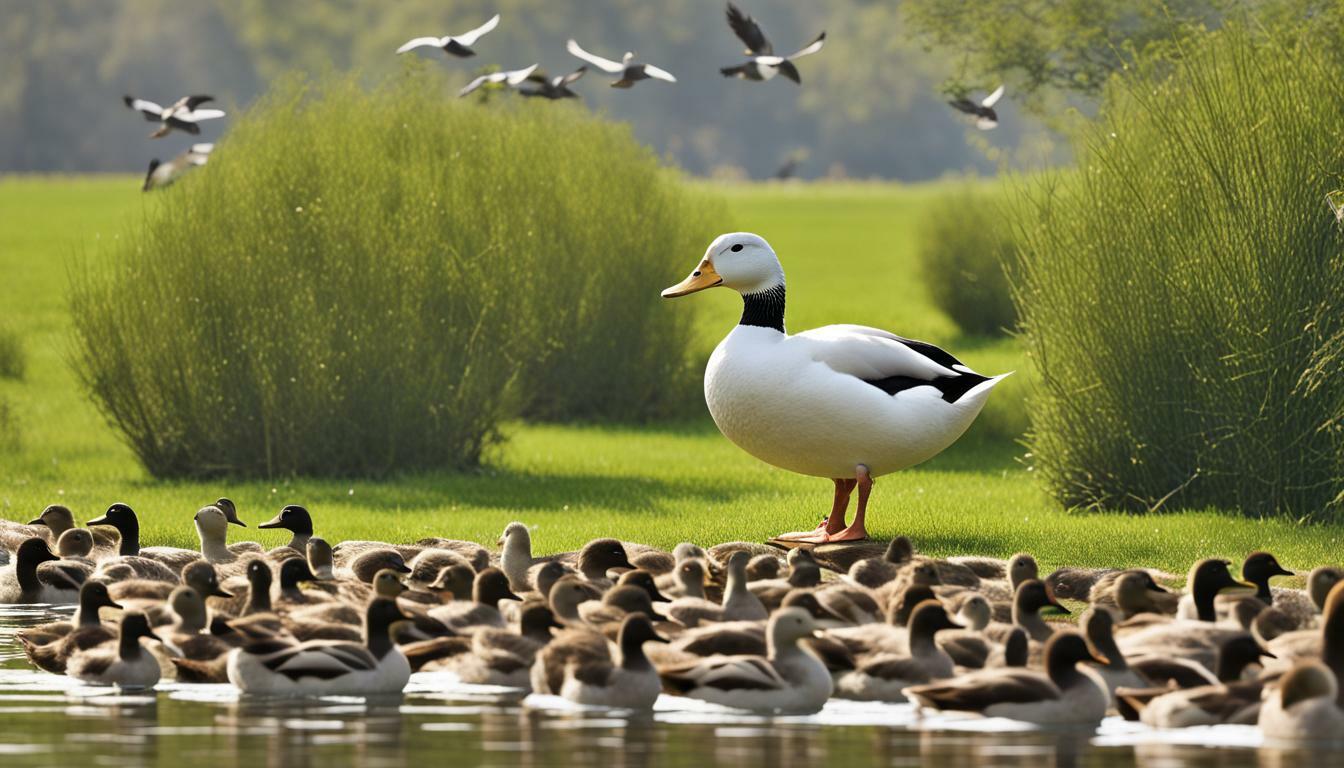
[1305,707]
[1197,640]
[490,587]
[844,402]
[1063,695]
[985,117]
[764,64]
[1031,600]
[624,678]
[277,667]
[1256,571]
[884,676]
[127,524]
[297,521]
[161,174]
[32,579]
[49,646]
[789,679]
[181,115]
[495,656]
[630,70]
[453,45]
[122,662]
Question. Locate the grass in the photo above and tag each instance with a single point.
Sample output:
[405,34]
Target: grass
[848,252]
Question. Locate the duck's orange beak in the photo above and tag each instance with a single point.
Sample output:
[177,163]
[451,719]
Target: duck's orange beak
[703,277]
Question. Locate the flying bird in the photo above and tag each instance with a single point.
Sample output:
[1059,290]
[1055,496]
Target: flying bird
[162,174]
[182,115]
[512,78]
[453,45]
[985,117]
[763,64]
[630,71]
[553,87]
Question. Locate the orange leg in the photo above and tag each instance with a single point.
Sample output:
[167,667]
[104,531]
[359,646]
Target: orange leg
[856,531]
[833,527]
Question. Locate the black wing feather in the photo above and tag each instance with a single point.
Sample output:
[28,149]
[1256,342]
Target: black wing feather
[749,32]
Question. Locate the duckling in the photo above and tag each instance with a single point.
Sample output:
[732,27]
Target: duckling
[623,677]
[1132,592]
[73,547]
[883,676]
[454,582]
[257,598]
[788,679]
[490,587]
[1197,640]
[1305,707]
[322,668]
[515,556]
[762,567]
[913,573]
[57,519]
[494,656]
[687,580]
[1063,695]
[212,524]
[27,581]
[319,559]
[49,646]
[739,604]
[127,524]
[567,595]
[364,566]
[426,566]
[1031,599]
[122,662]
[599,556]
[616,604]
[645,581]
[771,592]
[297,521]
[969,648]
[186,637]
[873,572]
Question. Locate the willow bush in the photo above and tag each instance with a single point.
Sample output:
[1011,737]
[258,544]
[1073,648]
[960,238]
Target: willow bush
[1181,296]
[369,281]
[965,243]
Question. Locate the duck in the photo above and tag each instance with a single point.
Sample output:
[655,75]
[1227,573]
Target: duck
[364,566]
[294,572]
[123,661]
[739,604]
[762,567]
[186,638]
[31,579]
[1162,675]
[874,402]
[490,587]
[426,566]
[319,559]
[630,70]
[511,78]
[873,572]
[148,594]
[1256,571]
[458,46]
[1132,592]
[163,174]
[74,547]
[643,580]
[515,556]
[764,64]
[121,517]
[297,521]
[56,519]
[500,656]
[1305,706]
[256,599]
[567,595]
[789,679]
[986,119]
[622,676]
[182,115]
[1197,639]
[969,648]
[279,667]
[1032,598]
[49,646]
[1230,700]
[1293,610]
[1063,695]
[556,87]
[884,676]
[616,603]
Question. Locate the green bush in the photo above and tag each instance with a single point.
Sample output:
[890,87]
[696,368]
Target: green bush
[12,359]
[964,244]
[1181,295]
[365,282]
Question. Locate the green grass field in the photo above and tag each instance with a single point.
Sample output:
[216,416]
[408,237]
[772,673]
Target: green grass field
[848,252]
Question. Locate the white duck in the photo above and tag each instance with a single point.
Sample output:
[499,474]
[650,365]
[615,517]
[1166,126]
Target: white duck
[453,45]
[842,401]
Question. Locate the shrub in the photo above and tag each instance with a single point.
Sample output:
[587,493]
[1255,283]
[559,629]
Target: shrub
[965,242]
[1180,296]
[13,362]
[368,281]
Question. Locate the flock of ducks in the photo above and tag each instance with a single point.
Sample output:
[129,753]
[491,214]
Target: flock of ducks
[746,626]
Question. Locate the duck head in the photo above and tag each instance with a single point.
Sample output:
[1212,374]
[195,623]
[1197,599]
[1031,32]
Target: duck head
[686,550]
[975,612]
[537,621]
[635,631]
[57,517]
[292,518]
[368,564]
[259,581]
[490,587]
[629,599]
[31,553]
[899,610]
[201,576]
[566,595]
[899,550]
[1208,578]
[1258,569]
[739,260]
[293,571]
[456,581]
[1235,654]
[601,555]
[1321,581]
[380,620]
[518,534]
[388,583]
[1063,652]
[924,573]
[763,567]
[93,595]
[691,576]
[1134,591]
[122,517]
[76,542]
[545,577]
[189,608]
[1021,567]
[1034,597]
[928,619]
[134,627]
[230,511]
[212,527]
[786,627]
[319,557]
[644,580]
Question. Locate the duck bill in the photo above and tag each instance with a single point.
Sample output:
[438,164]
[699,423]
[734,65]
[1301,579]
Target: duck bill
[1100,660]
[274,522]
[38,521]
[703,277]
[99,521]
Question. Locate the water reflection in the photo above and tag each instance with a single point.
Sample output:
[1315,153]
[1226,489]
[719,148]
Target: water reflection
[51,720]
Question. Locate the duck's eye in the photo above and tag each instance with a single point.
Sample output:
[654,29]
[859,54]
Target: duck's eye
[696,273]
[736,248]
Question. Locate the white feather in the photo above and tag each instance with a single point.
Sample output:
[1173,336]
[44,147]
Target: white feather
[606,65]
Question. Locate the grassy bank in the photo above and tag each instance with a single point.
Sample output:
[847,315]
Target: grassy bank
[849,255]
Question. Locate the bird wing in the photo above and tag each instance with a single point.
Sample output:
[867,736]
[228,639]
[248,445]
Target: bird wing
[993,98]
[192,102]
[811,47]
[870,353]
[196,115]
[660,74]
[493,77]
[975,692]
[517,76]
[149,109]
[468,38]
[748,31]
[202,149]
[321,659]
[572,76]
[725,673]
[421,42]
[606,65]
[965,105]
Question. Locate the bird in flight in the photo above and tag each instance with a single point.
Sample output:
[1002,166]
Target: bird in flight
[763,64]
[630,71]
[181,115]
[985,117]
[453,45]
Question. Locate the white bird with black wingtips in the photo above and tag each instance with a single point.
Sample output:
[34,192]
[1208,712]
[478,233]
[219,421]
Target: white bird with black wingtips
[453,45]
[512,78]
[985,117]
[630,70]
[764,64]
[842,401]
[161,175]
[181,115]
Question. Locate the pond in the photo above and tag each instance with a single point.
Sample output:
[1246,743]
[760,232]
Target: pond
[48,720]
